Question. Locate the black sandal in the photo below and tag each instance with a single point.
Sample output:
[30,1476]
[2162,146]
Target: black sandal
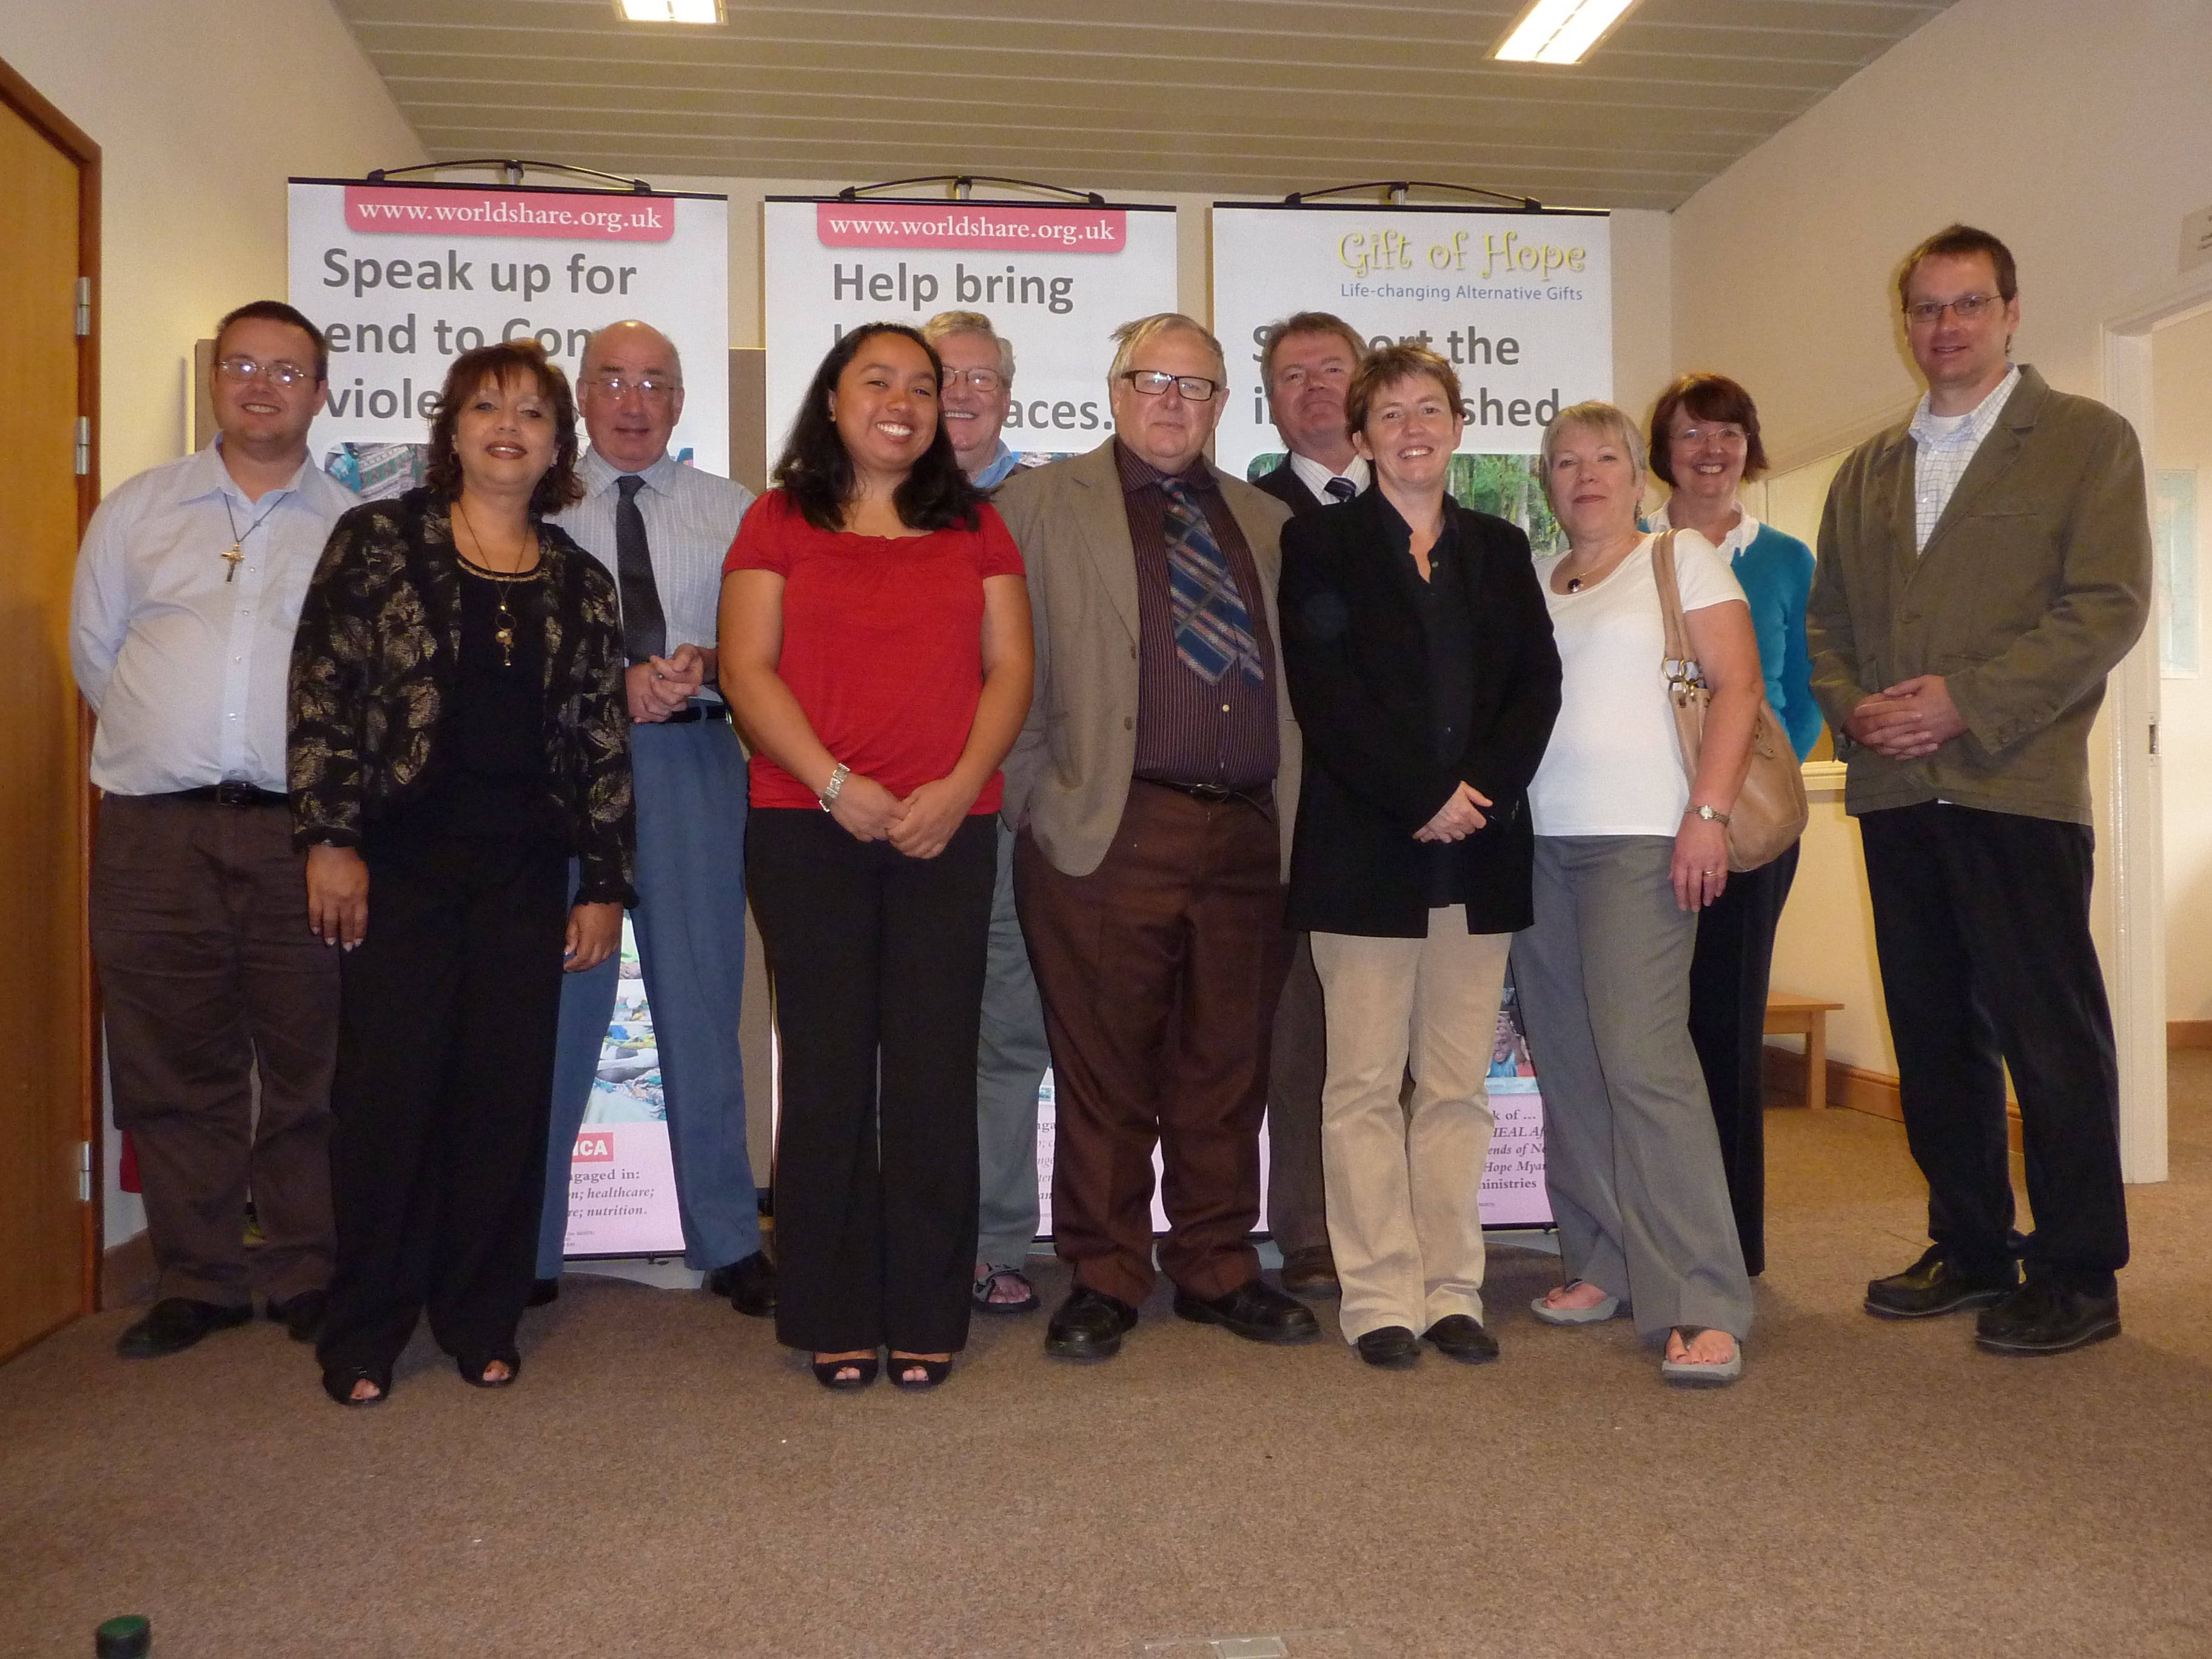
[825,1373]
[474,1375]
[340,1385]
[933,1371]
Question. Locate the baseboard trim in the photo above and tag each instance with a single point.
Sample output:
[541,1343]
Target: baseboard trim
[126,1271]
[1873,1093]
[2188,1034]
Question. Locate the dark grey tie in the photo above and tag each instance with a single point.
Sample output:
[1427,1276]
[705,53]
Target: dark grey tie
[645,627]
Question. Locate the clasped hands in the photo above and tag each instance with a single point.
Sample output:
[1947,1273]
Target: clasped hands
[919,826]
[1906,720]
[661,686]
[1458,818]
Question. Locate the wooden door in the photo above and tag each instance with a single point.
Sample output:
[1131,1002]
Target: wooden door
[48,1232]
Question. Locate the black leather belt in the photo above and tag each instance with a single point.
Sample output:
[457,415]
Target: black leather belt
[1213,794]
[698,711]
[233,794]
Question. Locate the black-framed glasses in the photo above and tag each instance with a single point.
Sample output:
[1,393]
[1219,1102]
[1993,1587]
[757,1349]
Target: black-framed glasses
[651,387]
[1967,307]
[1152,382]
[985,380]
[242,369]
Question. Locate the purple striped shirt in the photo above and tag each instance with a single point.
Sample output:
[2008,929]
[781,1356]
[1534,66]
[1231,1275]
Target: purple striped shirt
[1189,731]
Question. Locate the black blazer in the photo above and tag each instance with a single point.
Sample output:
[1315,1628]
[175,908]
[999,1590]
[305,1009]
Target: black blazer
[1286,487]
[1355,651]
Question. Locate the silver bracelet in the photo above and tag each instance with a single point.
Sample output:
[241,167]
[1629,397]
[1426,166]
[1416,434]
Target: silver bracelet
[830,790]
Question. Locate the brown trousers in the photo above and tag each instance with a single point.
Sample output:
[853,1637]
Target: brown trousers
[1297,1210]
[208,977]
[1159,973]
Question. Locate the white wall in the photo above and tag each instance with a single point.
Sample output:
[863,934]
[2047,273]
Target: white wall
[201,112]
[2182,387]
[2077,133]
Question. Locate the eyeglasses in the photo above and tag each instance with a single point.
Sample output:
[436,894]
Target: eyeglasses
[653,388]
[1726,436]
[242,369]
[1966,308]
[1152,382]
[986,381]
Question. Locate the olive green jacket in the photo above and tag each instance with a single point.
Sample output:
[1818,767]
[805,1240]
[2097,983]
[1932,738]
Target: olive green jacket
[2035,584]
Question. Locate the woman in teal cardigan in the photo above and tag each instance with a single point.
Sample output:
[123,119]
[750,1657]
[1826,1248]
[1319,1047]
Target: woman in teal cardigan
[1704,443]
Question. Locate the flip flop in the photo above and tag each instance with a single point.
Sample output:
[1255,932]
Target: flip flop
[1688,1374]
[1597,1313]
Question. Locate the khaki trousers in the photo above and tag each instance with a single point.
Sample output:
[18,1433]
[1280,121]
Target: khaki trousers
[1403,1181]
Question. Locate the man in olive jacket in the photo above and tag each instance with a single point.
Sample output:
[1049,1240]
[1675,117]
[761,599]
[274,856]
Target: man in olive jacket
[1982,568]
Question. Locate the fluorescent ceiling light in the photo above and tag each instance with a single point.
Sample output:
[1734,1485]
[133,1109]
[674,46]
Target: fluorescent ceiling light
[671,11]
[1560,31]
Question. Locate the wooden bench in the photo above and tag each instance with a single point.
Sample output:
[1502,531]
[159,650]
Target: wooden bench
[1790,1015]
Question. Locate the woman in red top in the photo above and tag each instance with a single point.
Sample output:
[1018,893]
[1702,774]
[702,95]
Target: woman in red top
[875,630]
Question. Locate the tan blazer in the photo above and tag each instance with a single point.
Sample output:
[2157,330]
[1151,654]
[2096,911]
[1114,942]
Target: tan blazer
[2035,583]
[1068,777]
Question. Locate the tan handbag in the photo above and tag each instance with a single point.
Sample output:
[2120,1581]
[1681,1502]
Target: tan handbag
[1770,811]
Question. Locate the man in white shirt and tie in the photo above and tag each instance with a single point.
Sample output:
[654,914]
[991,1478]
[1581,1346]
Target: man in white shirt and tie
[1306,362]
[187,592]
[662,529]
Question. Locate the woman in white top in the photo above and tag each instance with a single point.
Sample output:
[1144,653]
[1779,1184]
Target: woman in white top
[1629,850]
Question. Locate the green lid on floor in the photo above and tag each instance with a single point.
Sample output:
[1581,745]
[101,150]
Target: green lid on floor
[130,1637]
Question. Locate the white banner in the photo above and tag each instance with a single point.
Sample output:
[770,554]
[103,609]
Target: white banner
[622,1176]
[1521,303]
[1056,282]
[405,278]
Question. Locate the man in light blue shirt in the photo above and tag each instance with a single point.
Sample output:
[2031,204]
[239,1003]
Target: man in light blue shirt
[662,529]
[188,589]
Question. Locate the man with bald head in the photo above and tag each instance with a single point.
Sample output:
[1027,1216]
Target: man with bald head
[662,529]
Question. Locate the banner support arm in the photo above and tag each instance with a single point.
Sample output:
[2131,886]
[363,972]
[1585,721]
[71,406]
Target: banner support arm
[1397,188]
[512,171]
[964,183]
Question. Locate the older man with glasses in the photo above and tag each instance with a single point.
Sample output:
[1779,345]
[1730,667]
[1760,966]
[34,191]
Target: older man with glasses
[188,590]
[663,528]
[1154,785]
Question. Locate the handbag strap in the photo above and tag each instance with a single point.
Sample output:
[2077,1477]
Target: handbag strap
[1680,668]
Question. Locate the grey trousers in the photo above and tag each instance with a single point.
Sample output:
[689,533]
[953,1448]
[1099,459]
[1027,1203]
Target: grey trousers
[1297,1060]
[1631,1154]
[1011,1057]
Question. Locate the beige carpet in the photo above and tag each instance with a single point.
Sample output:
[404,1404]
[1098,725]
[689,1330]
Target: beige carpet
[665,1481]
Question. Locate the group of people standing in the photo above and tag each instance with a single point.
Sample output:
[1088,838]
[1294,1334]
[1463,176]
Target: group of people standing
[1229,801]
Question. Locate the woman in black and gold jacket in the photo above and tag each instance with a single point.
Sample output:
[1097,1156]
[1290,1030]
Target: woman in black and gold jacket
[458,734]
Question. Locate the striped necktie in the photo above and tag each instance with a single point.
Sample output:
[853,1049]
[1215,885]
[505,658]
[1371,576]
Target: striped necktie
[1212,629]
[1341,490]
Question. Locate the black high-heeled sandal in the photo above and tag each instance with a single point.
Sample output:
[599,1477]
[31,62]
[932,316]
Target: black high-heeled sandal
[825,1373]
[933,1371]
[473,1374]
[340,1385]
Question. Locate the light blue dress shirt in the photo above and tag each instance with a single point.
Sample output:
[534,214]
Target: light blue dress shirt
[186,659]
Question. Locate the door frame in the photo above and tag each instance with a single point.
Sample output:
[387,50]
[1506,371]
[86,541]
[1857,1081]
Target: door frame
[2133,778]
[19,95]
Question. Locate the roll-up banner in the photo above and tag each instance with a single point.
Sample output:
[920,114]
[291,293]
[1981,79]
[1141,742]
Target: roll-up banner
[403,277]
[1056,282]
[1520,304]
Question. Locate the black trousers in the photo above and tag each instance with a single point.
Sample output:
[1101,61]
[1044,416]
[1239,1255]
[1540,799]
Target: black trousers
[876,961]
[442,1096]
[1982,922]
[1728,976]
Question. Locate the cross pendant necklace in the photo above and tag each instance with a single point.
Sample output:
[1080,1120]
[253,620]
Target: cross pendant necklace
[236,556]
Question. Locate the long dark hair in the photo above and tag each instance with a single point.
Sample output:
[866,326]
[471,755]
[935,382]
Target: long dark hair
[506,361]
[816,473]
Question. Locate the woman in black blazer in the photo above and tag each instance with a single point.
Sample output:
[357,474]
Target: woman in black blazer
[1420,663]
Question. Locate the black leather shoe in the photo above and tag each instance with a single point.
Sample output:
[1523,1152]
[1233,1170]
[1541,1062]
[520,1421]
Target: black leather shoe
[1311,1272]
[1934,1286]
[1461,1337]
[301,1316]
[1089,1325]
[175,1324]
[2047,1315]
[1256,1310]
[541,1291]
[748,1283]
[1393,1347]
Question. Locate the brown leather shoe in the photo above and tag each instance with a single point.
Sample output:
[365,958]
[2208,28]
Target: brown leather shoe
[1311,1272]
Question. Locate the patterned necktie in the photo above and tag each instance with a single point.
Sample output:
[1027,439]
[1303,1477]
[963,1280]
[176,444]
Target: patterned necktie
[645,628]
[1213,630]
[1341,489]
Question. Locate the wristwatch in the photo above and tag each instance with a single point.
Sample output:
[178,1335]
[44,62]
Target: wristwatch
[1709,814]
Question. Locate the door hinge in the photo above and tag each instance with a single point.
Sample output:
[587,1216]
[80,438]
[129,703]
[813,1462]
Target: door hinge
[2154,739]
[84,1172]
[83,307]
[83,445]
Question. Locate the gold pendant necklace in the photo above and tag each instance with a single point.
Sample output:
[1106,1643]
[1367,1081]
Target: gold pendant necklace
[236,556]
[502,581]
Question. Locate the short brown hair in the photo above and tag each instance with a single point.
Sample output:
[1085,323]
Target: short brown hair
[1305,322]
[1707,398]
[508,359]
[1385,367]
[1962,242]
[276,310]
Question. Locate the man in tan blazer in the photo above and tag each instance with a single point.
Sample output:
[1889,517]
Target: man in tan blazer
[1155,786]
[1982,568]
